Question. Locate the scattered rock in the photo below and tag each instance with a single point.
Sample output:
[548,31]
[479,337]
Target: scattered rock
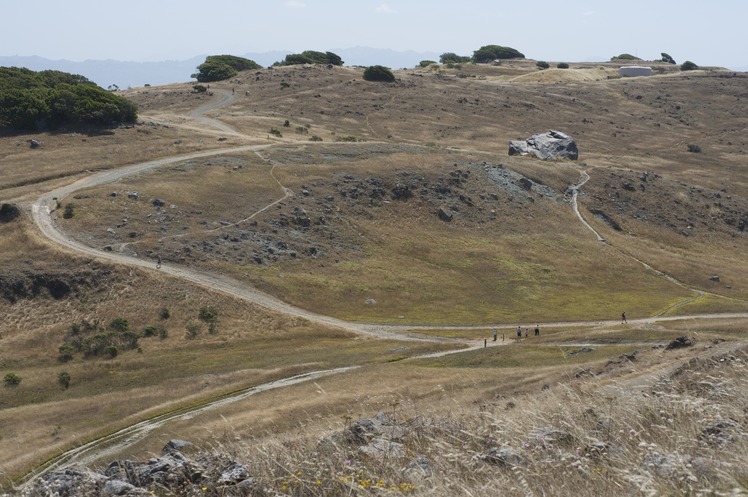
[35,143]
[679,342]
[550,145]
[503,456]
[444,214]
[714,277]
[157,202]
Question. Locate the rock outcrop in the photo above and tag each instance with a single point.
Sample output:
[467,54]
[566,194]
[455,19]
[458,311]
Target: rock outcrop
[551,145]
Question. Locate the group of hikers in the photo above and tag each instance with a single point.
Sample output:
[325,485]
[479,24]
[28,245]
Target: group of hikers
[519,332]
[537,329]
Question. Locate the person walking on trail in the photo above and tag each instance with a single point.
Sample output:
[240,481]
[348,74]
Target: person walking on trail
[623,317]
[158,262]
[527,332]
[494,334]
[537,330]
[519,332]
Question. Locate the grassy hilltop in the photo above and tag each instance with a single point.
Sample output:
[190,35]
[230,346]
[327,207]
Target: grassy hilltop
[368,214]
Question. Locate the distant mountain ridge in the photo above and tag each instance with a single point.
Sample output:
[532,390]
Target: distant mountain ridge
[127,74]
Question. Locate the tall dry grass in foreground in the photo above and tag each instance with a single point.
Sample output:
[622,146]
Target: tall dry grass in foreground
[682,432]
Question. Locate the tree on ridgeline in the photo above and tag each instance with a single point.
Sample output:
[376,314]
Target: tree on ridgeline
[48,100]
[221,67]
[489,53]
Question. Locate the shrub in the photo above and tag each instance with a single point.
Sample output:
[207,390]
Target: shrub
[688,66]
[64,380]
[199,88]
[69,211]
[120,325]
[489,53]
[562,65]
[315,138]
[541,64]
[111,351]
[12,380]
[276,132]
[667,58]
[426,63]
[694,148]
[162,332]
[208,314]
[9,212]
[193,330]
[150,331]
[66,353]
[379,73]
[164,313]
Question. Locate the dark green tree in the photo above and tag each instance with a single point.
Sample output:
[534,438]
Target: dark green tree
[489,53]
[311,57]
[51,99]
[379,73]
[667,58]
[221,67]
[452,58]
[688,66]
[625,56]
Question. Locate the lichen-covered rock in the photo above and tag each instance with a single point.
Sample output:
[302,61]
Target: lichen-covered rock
[551,145]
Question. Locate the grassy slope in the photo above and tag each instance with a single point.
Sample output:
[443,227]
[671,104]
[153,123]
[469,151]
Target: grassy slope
[533,262]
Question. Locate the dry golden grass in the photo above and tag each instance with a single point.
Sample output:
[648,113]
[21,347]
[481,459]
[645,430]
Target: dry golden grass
[503,261]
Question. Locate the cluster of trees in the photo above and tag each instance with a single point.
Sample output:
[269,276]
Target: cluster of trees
[311,57]
[220,67]
[44,100]
[486,53]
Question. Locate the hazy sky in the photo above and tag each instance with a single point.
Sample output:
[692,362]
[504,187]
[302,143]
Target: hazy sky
[710,32]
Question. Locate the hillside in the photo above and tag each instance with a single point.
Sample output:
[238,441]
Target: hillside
[308,220]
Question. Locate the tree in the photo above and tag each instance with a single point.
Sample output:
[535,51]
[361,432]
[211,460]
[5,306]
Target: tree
[379,73]
[452,58]
[221,67]
[311,57]
[667,58]
[562,65]
[688,66]
[426,63]
[541,64]
[489,53]
[51,99]
[625,56]
[214,71]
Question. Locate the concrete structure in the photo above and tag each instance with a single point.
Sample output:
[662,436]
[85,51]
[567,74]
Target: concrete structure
[635,71]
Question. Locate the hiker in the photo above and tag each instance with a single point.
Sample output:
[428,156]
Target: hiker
[537,330]
[494,334]
[623,317]
[158,262]
[519,332]
[527,332]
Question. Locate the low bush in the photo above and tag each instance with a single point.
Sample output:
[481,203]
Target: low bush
[63,379]
[541,64]
[12,380]
[69,211]
[562,65]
